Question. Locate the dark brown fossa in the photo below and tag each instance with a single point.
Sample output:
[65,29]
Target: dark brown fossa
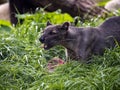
[81,43]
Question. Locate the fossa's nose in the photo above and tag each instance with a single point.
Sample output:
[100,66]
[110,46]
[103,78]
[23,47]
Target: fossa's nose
[42,39]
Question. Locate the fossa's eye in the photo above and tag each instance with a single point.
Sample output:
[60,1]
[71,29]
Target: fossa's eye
[53,32]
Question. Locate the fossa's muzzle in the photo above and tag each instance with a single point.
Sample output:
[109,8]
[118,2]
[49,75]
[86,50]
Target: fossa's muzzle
[42,39]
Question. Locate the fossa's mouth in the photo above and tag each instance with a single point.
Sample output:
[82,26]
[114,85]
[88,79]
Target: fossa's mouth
[50,44]
[47,46]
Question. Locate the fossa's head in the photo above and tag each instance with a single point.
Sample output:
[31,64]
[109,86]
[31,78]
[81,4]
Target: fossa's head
[54,35]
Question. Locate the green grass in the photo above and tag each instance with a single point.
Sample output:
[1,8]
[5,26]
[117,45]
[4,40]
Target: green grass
[23,61]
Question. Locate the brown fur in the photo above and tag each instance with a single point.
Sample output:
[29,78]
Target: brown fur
[81,43]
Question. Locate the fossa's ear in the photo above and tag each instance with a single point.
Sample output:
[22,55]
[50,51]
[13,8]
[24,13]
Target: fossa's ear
[65,25]
[48,23]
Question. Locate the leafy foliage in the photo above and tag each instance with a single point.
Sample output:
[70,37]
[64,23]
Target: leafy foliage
[23,61]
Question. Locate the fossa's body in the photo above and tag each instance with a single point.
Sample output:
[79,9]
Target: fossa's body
[81,43]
